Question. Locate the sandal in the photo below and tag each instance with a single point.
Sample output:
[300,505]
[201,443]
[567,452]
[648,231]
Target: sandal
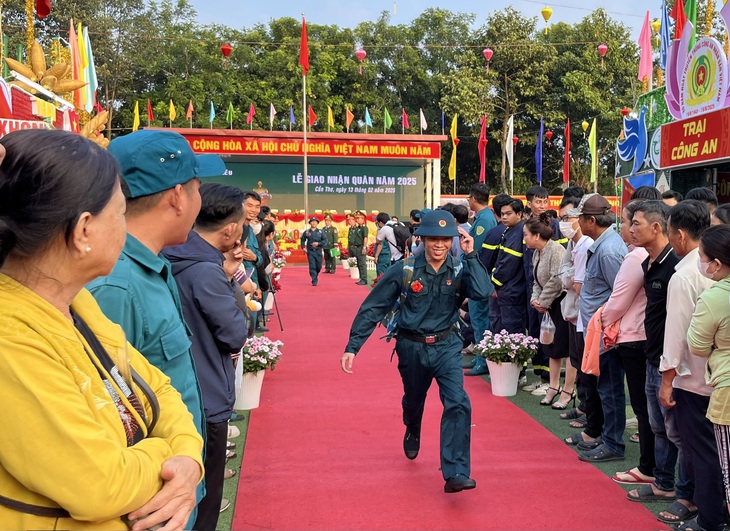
[580,423]
[679,511]
[689,525]
[645,493]
[633,477]
[547,399]
[576,439]
[564,405]
[635,437]
[572,414]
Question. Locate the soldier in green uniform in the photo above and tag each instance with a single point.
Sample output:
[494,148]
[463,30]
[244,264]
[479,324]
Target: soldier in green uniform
[312,241]
[330,231]
[427,346]
[357,244]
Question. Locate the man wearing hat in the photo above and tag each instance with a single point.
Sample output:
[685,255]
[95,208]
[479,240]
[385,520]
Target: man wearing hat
[357,244]
[313,240]
[426,343]
[605,257]
[160,179]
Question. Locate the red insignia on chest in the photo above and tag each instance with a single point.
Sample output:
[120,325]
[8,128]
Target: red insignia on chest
[448,282]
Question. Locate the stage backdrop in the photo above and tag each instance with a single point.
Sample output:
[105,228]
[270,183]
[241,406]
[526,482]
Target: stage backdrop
[392,189]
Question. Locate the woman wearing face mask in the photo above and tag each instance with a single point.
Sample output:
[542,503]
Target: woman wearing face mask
[709,335]
[572,271]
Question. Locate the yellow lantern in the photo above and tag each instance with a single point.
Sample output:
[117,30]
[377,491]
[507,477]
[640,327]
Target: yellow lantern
[547,12]
[585,126]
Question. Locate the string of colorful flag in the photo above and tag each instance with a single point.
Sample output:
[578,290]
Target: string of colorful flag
[311,115]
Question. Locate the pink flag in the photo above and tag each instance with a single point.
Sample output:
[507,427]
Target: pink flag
[251,114]
[76,97]
[482,148]
[566,159]
[645,62]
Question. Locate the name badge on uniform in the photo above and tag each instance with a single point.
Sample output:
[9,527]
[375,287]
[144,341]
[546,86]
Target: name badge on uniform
[448,282]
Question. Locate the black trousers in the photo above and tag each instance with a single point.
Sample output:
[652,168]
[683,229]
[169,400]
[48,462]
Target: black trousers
[330,262]
[215,466]
[633,360]
[540,361]
[699,457]
[576,344]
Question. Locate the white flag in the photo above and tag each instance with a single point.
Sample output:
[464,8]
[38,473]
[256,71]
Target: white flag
[510,146]
[272,113]
[424,125]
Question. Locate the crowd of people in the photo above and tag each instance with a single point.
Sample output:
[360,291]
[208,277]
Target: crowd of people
[639,305]
[646,301]
[120,327]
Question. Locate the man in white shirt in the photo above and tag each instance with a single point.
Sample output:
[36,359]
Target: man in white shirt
[385,233]
[700,485]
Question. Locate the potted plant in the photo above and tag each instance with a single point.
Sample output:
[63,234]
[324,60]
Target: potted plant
[354,271]
[505,354]
[278,261]
[257,355]
[344,254]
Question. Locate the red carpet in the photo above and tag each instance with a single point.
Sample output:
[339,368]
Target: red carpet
[324,450]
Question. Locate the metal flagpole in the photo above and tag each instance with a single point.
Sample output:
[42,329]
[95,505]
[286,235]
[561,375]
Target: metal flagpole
[304,142]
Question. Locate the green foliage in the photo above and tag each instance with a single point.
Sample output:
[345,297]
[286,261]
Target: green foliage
[157,51]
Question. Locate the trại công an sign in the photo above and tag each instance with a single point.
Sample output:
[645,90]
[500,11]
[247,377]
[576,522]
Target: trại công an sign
[696,140]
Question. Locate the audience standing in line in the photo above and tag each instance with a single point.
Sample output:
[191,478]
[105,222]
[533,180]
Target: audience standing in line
[93,436]
[709,336]
[649,230]
[218,325]
[627,307]
[160,180]
[683,388]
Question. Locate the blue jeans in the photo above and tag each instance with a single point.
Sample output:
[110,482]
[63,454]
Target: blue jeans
[613,401]
[665,451]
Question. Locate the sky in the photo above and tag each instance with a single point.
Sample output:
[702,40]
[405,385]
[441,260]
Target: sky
[348,13]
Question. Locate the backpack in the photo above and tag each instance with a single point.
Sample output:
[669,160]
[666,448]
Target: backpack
[390,321]
[402,234]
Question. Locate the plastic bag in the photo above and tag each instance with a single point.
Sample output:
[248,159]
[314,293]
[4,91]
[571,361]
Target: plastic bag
[547,329]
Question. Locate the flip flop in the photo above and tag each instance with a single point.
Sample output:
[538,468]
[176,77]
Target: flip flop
[678,509]
[646,494]
[632,477]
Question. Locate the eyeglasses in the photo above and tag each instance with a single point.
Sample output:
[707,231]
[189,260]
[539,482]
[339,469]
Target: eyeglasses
[568,218]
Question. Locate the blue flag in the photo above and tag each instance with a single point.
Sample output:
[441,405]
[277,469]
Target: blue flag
[212,113]
[368,120]
[664,38]
[538,153]
[292,120]
[442,121]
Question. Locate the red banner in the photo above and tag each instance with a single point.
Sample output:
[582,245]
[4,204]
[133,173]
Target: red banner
[8,125]
[695,140]
[237,145]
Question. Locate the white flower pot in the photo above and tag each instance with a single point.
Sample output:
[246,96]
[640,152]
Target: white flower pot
[250,394]
[345,264]
[504,378]
[354,273]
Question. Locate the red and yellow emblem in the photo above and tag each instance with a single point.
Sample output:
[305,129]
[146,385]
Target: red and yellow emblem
[442,223]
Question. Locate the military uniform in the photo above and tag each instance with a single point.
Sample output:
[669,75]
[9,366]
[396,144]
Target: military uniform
[484,221]
[428,347]
[314,253]
[356,237]
[330,263]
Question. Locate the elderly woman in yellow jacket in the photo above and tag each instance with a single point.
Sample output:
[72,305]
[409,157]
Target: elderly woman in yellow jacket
[93,436]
